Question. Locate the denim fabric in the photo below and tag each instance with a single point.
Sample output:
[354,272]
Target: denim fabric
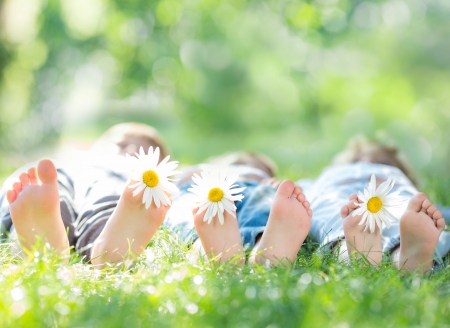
[252,213]
[334,186]
[332,190]
[90,193]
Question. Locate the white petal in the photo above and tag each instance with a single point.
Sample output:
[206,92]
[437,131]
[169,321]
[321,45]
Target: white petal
[221,220]
[139,189]
[372,222]
[363,219]
[208,214]
[378,221]
[384,188]
[141,152]
[164,161]
[156,156]
[215,209]
[221,207]
[359,211]
[372,184]
[147,194]
[201,209]
[148,202]
[167,199]
[390,215]
[363,197]
[135,185]
[156,199]
[237,190]
[169,187]
[161,195]
[367,226]
[384,216]
[228,205]
[237,198]
[232,213]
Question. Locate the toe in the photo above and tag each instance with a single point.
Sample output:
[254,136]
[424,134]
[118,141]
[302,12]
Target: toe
[301,198]
[286,188]
[425,205]
[345,211]
[33,176]
[11,196]
[416,202]
[437,215]
[297,191]
[431,210]
[353,197]
[306,204]
[352,205]
[310,213]
[24,179]
[47,171]
[17,186]
[440,224]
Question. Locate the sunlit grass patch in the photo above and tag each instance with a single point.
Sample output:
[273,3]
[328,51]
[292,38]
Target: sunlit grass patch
[164,289]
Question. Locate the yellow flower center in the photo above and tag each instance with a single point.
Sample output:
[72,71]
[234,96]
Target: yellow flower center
[215,195]
[150,178]
[374,204]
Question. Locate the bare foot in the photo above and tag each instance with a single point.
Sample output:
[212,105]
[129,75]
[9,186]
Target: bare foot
[129,229]
[288,225]
[220,242]
[360,243]
[35,209]
[420,228]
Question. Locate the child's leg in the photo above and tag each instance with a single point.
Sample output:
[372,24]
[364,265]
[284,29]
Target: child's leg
[288,225]
[420,228]
[360,243]
[220,242]
[129,229]
[35,208]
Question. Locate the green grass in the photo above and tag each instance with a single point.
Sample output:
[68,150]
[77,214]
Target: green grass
[164,289]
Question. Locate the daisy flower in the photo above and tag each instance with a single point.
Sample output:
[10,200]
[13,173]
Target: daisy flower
[152,177]
[377,206]
[216,192]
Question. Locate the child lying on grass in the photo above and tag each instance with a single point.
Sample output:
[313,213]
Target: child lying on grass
[87,197]
[107,224]
[273,221]
[412,240]
[275,225]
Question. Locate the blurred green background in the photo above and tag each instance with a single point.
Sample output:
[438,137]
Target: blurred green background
[292,79]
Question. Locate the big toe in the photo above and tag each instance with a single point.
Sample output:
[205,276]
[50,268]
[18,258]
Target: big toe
[47,171]
[286,188]
[416,202]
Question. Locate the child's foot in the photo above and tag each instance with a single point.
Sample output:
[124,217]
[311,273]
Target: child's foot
[35,209]
[220,242]
[360,243]
[129,229]
[288,225]
[420,228]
